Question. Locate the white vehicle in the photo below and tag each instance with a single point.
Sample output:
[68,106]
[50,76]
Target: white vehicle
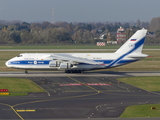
[129,52]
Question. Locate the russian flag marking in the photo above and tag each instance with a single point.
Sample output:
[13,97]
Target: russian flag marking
[133,40]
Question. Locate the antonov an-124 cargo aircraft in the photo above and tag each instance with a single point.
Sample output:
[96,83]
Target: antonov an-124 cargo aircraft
[129,52]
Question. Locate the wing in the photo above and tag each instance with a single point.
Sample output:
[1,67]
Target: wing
[72,59]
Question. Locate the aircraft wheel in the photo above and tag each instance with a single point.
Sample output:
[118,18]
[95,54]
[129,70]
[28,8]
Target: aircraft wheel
[26,71]
[73,71]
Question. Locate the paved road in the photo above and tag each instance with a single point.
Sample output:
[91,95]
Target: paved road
[87,74]
[75,97]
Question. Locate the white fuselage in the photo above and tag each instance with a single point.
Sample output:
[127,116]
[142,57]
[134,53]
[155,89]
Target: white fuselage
[44,61]
[130,51]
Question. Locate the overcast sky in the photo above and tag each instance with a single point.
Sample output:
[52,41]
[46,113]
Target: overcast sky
[79,10]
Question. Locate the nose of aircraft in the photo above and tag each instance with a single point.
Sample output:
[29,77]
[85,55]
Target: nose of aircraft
[7,63]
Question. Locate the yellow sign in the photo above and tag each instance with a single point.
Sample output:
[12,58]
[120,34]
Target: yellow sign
[4,93]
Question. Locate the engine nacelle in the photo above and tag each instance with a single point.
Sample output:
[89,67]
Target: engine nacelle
[54,63]
[65,65]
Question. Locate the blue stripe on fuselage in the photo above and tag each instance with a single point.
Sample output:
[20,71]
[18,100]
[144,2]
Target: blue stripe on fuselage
[30,62]
[104,61]
[109,61]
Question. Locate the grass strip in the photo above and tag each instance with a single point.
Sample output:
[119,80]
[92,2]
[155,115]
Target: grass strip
[19,86]
[149,83]
[69,47]
[141,111]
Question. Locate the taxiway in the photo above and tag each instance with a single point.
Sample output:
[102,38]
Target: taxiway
[78,96]
[91,95]
[86,73]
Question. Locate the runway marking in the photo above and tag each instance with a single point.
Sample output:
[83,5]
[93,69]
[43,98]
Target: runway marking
[127,94]
[71,84]
[12,107]
[85,84]
[80,84]
[79,91]
[55,99]
[102,91]
[98,84]
[30,110]
[105,83]
[20,110]
[25,110]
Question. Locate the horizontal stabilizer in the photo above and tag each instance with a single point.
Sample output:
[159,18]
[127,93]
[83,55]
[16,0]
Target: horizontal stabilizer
[140,56]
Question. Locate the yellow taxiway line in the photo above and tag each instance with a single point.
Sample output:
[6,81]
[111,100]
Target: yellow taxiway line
[25,110]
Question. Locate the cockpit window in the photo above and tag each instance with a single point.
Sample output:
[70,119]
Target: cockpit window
[19,55]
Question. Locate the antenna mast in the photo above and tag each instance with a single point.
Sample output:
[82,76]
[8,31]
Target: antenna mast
[53,16]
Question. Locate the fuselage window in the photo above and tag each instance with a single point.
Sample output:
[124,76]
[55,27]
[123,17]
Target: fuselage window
[19,55]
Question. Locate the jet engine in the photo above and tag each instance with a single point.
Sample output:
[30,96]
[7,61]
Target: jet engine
[65,65]
[54,63]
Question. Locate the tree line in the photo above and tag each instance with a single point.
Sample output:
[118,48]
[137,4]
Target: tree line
[23,33]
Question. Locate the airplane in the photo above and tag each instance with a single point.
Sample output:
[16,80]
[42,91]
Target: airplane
[129,52]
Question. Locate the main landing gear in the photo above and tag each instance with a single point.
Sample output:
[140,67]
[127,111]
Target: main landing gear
[26,71]
[74,71]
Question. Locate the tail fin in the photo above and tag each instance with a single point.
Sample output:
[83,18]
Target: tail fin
[134,43]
